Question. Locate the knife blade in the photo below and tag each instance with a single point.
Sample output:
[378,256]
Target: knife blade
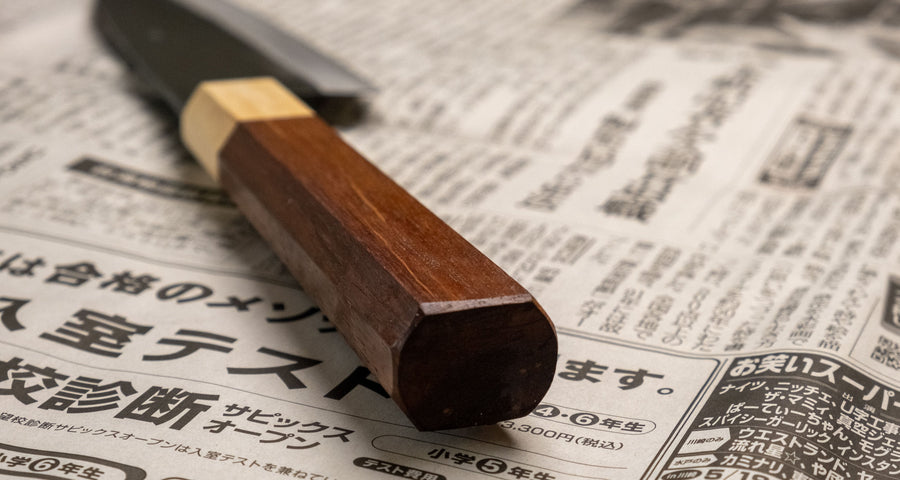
[453,339]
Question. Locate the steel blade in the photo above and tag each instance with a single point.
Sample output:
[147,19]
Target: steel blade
[175,44]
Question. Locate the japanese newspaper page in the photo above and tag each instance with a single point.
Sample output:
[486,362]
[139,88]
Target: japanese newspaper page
[703,196]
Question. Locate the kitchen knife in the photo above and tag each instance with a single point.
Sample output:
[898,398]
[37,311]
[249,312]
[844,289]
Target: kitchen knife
[453,339]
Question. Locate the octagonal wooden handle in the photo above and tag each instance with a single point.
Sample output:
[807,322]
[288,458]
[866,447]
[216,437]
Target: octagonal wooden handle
[454,339]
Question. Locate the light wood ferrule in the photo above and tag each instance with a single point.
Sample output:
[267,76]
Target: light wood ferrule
[216,107]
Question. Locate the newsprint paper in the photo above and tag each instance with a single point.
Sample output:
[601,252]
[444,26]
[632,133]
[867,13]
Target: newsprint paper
[703,196]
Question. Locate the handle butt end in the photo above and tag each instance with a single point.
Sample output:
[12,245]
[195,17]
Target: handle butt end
[477,366]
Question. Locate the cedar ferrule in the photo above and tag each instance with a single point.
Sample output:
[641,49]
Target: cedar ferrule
[216,107]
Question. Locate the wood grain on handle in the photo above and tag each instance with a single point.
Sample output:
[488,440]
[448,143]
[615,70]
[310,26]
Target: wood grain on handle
[452,338]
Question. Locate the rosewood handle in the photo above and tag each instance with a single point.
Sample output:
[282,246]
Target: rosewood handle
[454,339]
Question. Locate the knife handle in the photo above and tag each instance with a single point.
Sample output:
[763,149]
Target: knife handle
[454,340]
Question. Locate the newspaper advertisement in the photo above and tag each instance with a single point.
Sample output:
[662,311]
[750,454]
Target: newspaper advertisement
[702,196]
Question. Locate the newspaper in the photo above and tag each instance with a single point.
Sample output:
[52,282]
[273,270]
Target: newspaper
[702,196]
